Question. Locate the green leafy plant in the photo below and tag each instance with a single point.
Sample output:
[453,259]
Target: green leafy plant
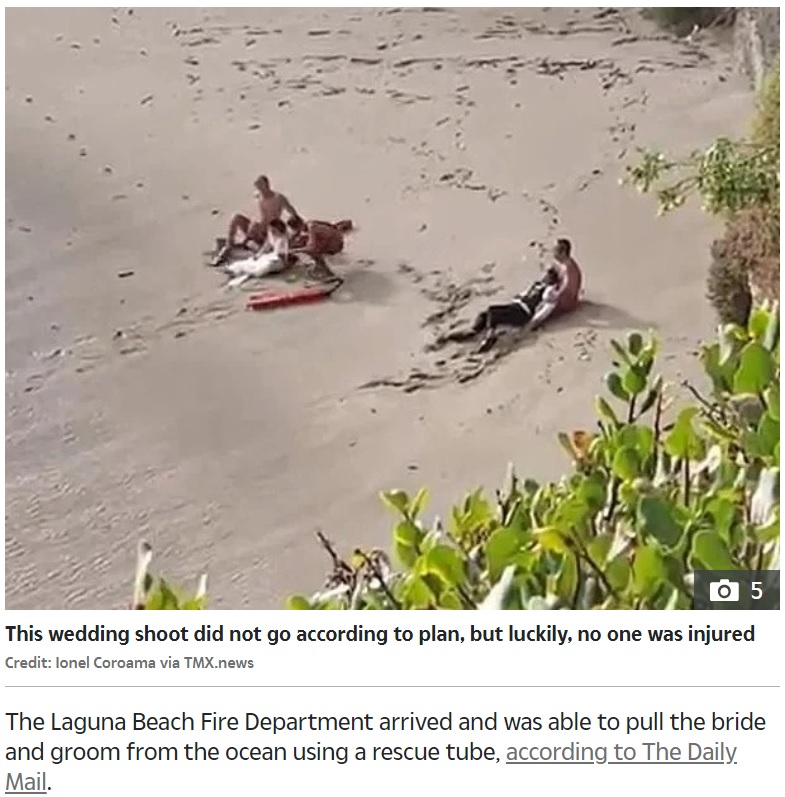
[154,592]
[740,182]
[729,176]
[656,492]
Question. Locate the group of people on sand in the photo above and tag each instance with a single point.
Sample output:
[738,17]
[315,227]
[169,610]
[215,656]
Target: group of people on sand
[274,245]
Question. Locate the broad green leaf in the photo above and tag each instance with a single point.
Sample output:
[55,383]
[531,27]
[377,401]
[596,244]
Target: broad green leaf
[478,511]
[298,602]
[618,573]
[405,554]
[551,539]
[598,549]
[638,437]
[634,381]
[626,463]
[416,594]
[614,385]
[446,563]
[755,371]
[711,552]
[408,533]
[768,435]
[501,547]
[682,442]
[195,604]
[720,372]
[567,578]
[397,500]
[723,513]
[591,491]
[758,323]
[648,570]
[635,343]
[449,599]
[571,512]
[656,518]
[418,503]
[628,494]
[162,597]
[406,542]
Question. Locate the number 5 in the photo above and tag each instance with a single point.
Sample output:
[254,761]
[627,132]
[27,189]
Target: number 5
[757,592]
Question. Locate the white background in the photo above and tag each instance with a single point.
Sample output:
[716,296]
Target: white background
[475,679]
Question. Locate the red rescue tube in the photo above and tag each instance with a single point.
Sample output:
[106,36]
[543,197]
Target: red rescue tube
[271,299]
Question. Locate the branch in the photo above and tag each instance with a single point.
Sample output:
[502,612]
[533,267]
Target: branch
[376,570]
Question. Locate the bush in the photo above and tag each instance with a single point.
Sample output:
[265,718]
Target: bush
[747,254]
[653,495]
[682,20]
[746,259]
[766,127]
[762,243]
[728,288]
[739,181]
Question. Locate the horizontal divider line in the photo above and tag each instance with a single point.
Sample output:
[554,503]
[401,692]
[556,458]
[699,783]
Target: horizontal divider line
[392,686]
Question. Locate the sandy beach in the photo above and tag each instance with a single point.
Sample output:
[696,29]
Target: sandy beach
[144,402]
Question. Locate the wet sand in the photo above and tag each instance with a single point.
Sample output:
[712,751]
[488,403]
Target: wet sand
[142,401]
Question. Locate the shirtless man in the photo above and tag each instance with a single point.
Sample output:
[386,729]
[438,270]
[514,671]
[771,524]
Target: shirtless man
[567,295]
[317,239]
[271,206]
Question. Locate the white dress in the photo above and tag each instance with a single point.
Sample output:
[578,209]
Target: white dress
[261,265]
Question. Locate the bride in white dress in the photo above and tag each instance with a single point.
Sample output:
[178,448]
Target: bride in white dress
[270,259]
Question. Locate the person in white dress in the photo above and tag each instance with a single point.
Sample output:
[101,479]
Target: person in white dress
[272,257]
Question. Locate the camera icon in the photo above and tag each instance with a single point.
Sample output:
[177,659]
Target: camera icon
[724,590]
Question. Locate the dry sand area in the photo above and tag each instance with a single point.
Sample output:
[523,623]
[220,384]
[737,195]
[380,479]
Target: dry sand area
[143,401]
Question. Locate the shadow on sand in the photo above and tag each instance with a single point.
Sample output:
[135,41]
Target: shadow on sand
[363,284]
[599,315]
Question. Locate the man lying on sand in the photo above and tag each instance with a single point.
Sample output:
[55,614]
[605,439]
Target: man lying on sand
[557,292]
[272,257]
[271,206]
[317,239]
